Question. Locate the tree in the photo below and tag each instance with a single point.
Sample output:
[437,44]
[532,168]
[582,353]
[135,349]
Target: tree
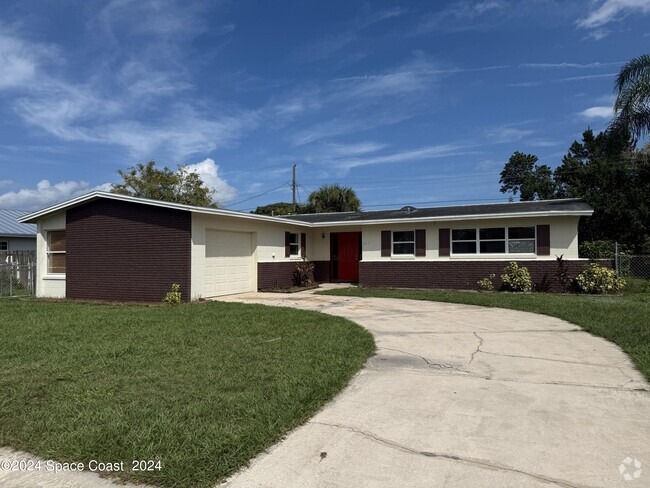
[279,208]
[632,106]
[334,198]
[181,186]
[522,175]
[614,179]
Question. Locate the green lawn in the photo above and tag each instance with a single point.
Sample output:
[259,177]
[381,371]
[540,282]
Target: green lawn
[201,387]
[622,319]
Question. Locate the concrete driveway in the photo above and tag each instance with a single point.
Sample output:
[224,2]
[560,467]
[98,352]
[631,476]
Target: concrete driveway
[464,396]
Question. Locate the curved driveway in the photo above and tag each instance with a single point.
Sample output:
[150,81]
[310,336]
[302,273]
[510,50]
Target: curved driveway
[465,396]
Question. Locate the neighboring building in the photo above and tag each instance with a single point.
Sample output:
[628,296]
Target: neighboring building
[15,236]
[116,247]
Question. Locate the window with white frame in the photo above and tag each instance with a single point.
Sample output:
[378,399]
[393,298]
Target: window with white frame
[463,241]
[56,252]
[4,245]
[404,243]
[294,244]
[493,240]
[521,240]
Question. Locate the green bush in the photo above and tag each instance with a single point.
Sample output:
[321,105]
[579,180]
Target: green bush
[597,279]
[516,278]
[173,297]
[486,284]
[597,249]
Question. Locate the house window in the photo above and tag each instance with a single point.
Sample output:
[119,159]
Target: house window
[521,240]
[4,245]
[404,243]
[463,241]
[56,252]
[294,244]
[493,240]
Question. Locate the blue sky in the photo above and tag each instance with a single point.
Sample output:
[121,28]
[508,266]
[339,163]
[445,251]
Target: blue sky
[409,103]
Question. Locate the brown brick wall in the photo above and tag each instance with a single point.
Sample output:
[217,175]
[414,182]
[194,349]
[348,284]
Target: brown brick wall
[126,251]
[280,274]
[455,274]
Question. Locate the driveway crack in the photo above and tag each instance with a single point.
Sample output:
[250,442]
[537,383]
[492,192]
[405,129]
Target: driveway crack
[481,463]
[478,348]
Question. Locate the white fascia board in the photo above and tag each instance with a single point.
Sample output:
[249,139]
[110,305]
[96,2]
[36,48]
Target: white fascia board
[32,217]
[451,218]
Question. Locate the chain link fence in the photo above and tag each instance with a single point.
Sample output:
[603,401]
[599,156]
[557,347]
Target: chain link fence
[630,265]
[17,273]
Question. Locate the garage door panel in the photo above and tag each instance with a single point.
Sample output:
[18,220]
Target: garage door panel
[228,263]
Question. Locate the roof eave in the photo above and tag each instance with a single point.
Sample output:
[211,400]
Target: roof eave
[34,216]
[448,218]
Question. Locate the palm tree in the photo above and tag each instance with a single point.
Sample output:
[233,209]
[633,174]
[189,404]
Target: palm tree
[632,106]
[334,198]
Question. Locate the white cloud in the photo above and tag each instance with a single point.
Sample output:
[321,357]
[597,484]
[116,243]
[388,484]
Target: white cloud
[20,60]
[563,65]
[4,183]
[46,194]
[608,11]
[507,134]
[462,15]
[208,170]
[425,153]
[597,113]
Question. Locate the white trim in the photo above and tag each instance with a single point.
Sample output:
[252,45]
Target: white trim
[392,245]
[31,218]
[299,244]
[506,241]
[51,276]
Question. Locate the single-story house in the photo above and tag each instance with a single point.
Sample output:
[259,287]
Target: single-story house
[115,247]
[15,236]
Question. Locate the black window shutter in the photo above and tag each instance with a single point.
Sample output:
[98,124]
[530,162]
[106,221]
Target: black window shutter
[287,247]
[421,242]
[303,245]
[385,243]
[543,240]
[443,246]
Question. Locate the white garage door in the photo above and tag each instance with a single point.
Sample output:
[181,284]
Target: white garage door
[228,263]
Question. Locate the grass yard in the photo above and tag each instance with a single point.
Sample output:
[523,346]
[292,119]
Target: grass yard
[622,319]
[201,387]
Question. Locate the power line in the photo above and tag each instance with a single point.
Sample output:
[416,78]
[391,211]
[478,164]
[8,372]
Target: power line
[256,196]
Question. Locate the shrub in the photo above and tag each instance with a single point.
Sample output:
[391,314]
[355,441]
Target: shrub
[303,274]
[562,273]
[173,296]
[486,284]
[516,278]
[597,279]
[597,249]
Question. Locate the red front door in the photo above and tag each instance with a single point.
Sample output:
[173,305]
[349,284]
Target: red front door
[349,247]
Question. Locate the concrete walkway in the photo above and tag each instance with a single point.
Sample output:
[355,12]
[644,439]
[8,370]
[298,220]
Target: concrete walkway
[457,396]
[464,396]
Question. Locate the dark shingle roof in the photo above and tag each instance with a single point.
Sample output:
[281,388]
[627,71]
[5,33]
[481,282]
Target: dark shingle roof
[556,206]
[9,225]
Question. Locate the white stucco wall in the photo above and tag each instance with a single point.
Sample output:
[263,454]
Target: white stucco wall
[268,243]
[48,285]
[563,234]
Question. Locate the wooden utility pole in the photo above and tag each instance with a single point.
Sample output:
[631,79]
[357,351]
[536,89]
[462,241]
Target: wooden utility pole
[293,189]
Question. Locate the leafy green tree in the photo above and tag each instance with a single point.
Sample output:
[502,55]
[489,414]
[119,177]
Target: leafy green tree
[181,186]
[522,175]
[632,106]
[279,208]
[333,198]
[614,179]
